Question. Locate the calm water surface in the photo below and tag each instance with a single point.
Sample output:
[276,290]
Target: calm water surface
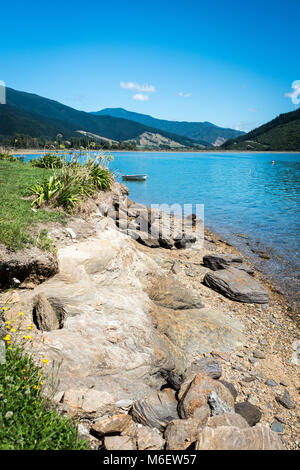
[242,194]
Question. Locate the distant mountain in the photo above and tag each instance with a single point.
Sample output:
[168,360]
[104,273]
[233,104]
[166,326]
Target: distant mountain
[282,133]
[198,131]
[68,120]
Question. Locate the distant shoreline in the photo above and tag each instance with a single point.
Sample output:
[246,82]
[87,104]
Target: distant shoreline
[30,151]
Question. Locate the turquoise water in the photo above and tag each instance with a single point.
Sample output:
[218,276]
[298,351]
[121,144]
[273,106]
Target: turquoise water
[242,194]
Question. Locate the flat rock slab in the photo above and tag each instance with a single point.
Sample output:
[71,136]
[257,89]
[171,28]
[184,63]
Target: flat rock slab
[236,285]
[221,261]
[234,438]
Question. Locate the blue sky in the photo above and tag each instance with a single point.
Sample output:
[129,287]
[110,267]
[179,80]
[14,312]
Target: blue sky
[228,62]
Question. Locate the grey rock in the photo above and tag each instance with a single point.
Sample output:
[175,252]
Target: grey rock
[271,383]
[277,427]
[221,260]
[236,285]
[155,411]
[250,412]
[218,406]
[44,316]
[285,400]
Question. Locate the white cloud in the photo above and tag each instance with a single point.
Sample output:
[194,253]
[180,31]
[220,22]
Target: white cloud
[184,95]
[140,97]
[135,86]
[295,95]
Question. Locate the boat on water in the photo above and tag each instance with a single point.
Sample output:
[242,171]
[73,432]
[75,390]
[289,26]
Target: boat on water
[134,177]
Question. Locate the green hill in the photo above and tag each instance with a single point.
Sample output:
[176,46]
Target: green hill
[69,120]
[282,133]
[198,131]
[16,121]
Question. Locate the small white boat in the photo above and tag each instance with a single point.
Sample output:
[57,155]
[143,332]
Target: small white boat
[134,177]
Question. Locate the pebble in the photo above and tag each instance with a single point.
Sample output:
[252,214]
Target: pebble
[284,384]
[258,354]
[286,401]
[277,427]
[270,383]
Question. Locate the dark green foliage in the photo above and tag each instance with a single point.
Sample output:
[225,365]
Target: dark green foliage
[282,133]
[28,421]
[48,161]
[74,183]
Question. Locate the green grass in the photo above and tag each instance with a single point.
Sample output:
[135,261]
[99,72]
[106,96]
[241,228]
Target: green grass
[16,215]
[27,420]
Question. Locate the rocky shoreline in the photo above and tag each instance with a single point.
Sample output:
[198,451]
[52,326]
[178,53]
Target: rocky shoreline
[163,342]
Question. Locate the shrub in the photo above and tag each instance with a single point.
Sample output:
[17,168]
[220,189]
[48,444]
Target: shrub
[74,182]
[48,160]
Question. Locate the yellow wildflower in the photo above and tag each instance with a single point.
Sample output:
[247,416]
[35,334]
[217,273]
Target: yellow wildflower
[7,338]
[8,322]
[4,309]
[21,314]
[45,361]
[13,330]
[10,348]
[7,326]
[36,387]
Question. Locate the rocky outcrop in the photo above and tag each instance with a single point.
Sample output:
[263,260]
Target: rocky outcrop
[236,285]
[235,438]
[194,397]
[151,227]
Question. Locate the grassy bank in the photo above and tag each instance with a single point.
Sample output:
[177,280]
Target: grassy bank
[58,187]
[17,219]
